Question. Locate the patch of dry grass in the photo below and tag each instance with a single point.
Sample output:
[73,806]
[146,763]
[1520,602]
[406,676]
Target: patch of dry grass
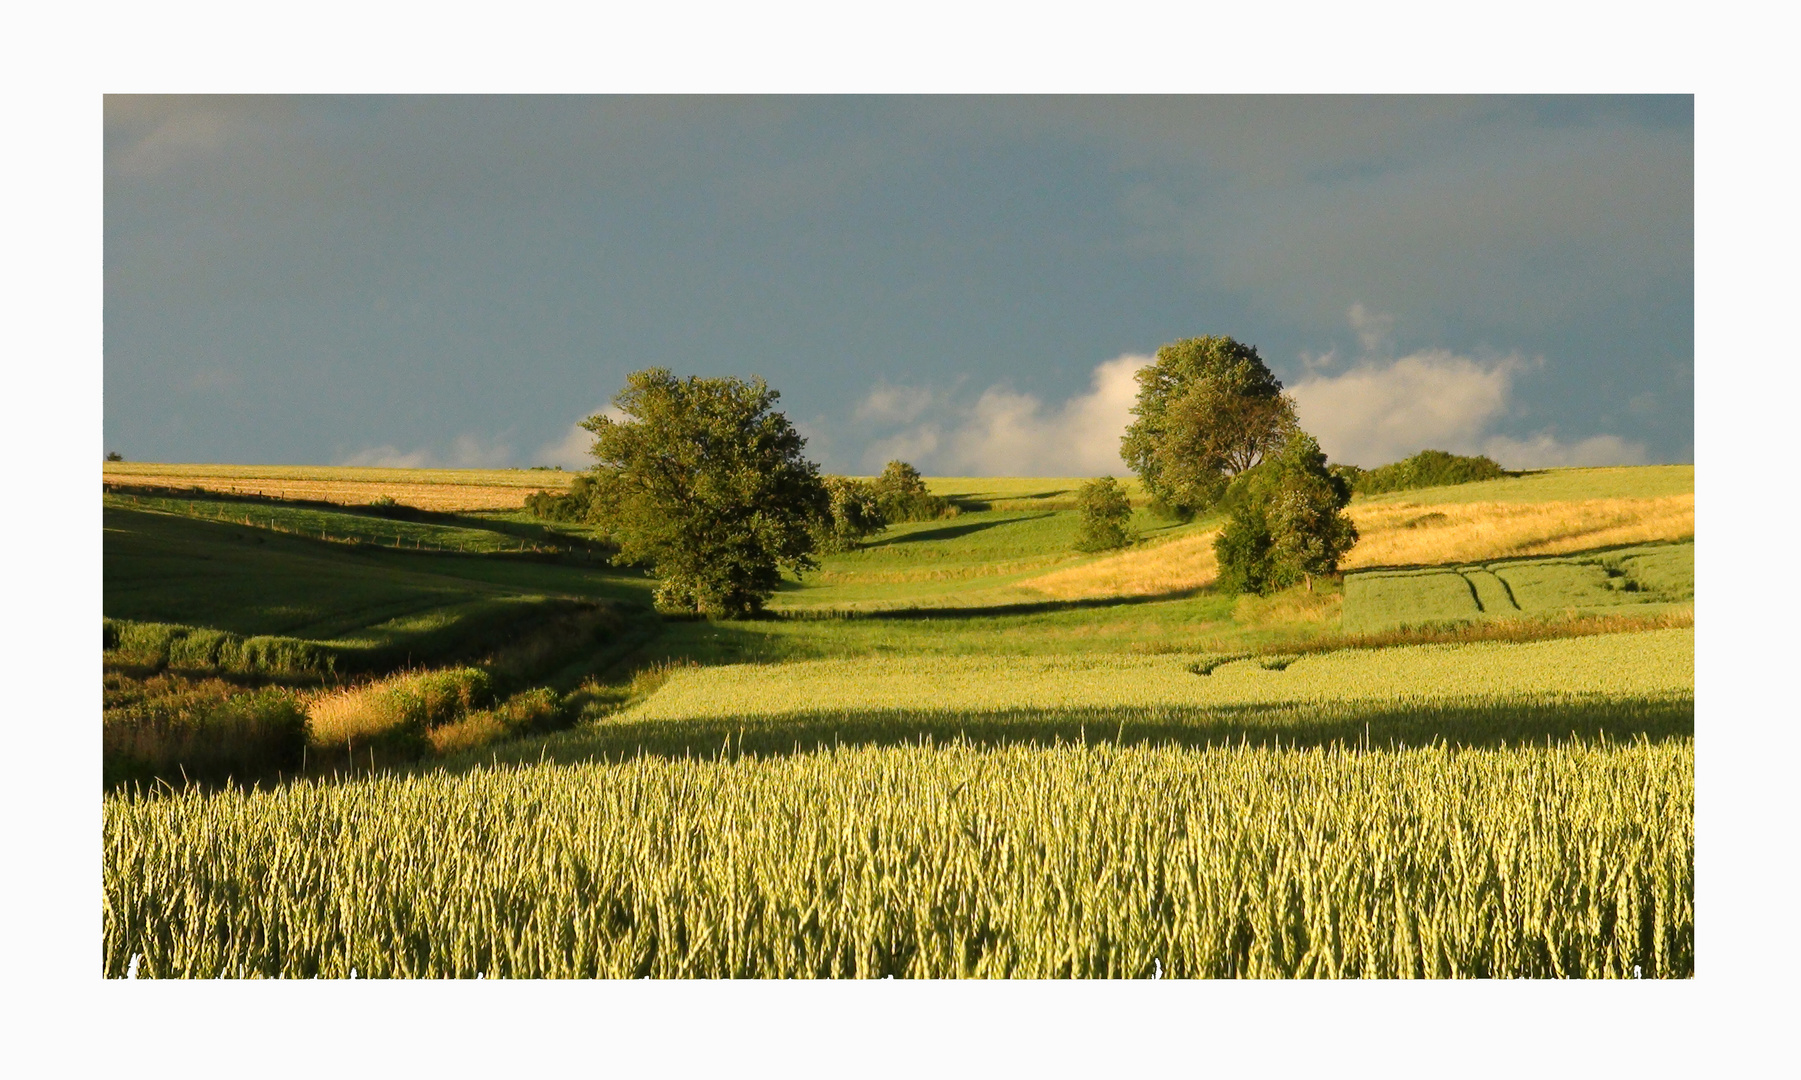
[426,489]
[471,732]
[411,701]
[1323,604]
[1400,534]
[1410,534]
[1174,566]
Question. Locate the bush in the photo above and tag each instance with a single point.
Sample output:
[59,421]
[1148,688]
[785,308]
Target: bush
[1428,468]
[1105,514]
[1243,548]
[531,710]
[207,732]
[396,715]
[157,646]
[575,504]
[854,514]
[901,495]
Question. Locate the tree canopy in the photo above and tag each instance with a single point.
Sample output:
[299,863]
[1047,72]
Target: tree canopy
[1287,523]
[705,482]
[1208,409]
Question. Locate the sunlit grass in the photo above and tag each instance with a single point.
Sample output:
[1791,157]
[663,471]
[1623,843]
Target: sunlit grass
[1575,860]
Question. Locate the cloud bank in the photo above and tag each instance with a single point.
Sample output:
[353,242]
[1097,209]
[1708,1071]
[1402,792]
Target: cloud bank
[1383,411]
[467,452]
[1005,433]
[1376,412]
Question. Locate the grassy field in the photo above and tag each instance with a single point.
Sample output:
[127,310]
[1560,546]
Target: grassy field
[963,749]
[195,569]
[1646,579]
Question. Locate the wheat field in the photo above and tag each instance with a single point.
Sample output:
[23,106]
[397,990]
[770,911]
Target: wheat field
[1575,860]
[1403,534]
[426,489]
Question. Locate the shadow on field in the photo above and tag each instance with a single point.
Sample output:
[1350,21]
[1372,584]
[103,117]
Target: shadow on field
[951,532]
[1379,727]
[1033,607]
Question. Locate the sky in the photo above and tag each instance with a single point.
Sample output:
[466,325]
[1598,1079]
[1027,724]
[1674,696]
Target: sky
[966,283]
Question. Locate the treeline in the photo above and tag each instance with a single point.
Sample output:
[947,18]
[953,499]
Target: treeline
[1428,468]
[702,481]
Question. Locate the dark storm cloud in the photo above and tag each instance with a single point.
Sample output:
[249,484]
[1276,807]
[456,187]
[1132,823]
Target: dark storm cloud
[458,280]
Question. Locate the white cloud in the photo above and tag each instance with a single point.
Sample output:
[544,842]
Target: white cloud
[895,404]
[571,451]
[1374,329]
[390,457]
[1545,451]
[466,452]
[1004,433]
[1378,413]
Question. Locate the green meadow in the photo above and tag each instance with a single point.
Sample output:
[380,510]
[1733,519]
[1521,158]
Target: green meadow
[449,742]
[1645,579]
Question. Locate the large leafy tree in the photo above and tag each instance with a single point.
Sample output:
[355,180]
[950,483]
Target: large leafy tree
[1287,523]
[704,481]
[1208,410]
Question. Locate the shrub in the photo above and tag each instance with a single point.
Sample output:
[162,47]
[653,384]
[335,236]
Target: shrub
[531,710]
[206,732]
[1105,513]
[157,646]
[854,513]
[1243,552]
[397,714]
[1428,468]
[575,504]
[901,495]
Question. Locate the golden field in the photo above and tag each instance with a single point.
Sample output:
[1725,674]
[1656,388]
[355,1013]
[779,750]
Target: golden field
[1401,533]
[1405,534]
[426,489]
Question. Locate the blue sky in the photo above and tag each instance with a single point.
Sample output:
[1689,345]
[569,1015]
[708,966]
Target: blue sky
[963,282]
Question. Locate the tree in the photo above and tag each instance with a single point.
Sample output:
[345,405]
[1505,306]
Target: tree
[852,513]
[1104,514]
[114,455]
[1208,410]
[1287,523]
[902,495]
[705,482]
